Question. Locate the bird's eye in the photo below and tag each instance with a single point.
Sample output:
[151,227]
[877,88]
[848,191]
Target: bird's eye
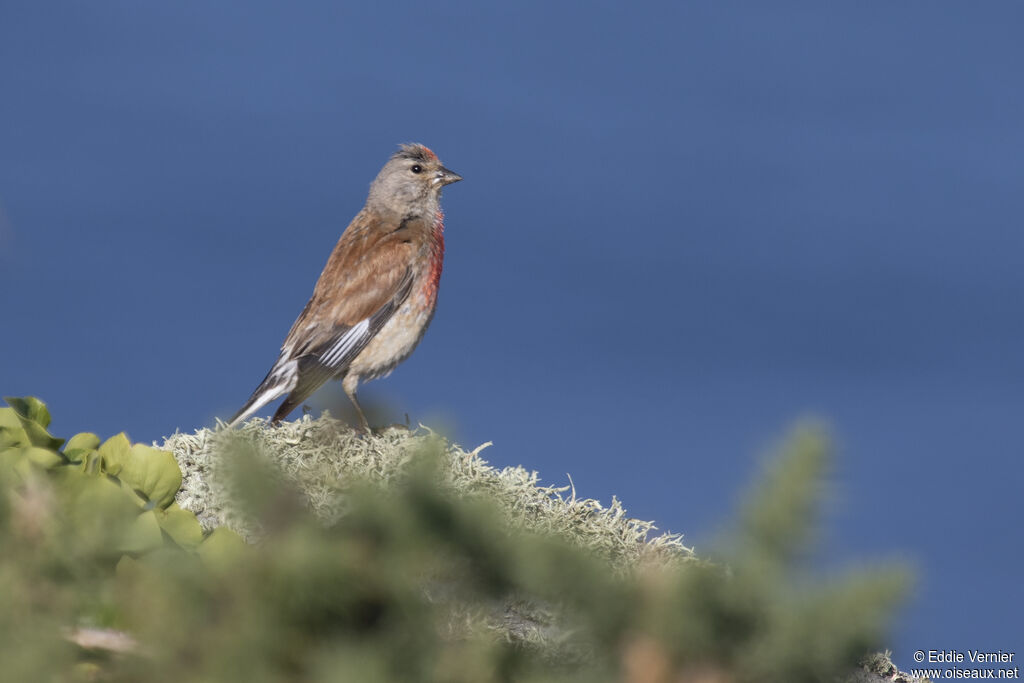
[416,168]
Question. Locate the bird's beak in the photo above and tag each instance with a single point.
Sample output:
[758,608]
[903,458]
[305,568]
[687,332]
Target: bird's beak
[447,177]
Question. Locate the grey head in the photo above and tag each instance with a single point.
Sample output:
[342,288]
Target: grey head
[410,183]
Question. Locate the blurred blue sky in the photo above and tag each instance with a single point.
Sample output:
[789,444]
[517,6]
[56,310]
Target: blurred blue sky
[683,227]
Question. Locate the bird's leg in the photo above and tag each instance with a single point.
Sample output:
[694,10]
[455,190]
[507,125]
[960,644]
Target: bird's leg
[349,384]
[364,424]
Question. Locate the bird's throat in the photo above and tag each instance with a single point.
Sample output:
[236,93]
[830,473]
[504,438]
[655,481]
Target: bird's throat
[433,279]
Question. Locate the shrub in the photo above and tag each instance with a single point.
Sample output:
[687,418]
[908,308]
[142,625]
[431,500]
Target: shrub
[410,579]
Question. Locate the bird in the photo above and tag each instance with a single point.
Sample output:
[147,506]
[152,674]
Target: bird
[376,295]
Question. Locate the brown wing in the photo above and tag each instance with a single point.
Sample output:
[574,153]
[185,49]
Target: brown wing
[363,278]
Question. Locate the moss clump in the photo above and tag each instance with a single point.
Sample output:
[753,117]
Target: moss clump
[320,458]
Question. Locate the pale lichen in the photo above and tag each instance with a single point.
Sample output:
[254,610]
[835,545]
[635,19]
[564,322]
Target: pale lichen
[320,457]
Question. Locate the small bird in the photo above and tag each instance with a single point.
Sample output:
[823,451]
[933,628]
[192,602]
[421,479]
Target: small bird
[376,295]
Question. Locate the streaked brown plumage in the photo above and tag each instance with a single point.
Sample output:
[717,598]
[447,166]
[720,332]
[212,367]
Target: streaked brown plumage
[377,293]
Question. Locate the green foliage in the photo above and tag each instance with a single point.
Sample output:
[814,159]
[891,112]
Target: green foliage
[67,517]
[410,581]
[112,490]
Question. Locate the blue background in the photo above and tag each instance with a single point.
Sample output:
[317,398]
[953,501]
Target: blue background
[683,226]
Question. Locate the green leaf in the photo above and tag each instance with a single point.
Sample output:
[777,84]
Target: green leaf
[152,472]
[129,567]
[12,434]
[81,445]
[143,535]
[20,462]
[181,525]
[115,452]
[97,508]
[34,418]
[9,419]
[86,440]
[42,456]
[222,548]
[14,467]
[30,408]
[40,437]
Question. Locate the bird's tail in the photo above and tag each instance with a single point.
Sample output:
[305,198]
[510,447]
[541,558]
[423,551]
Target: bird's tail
[281,379]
